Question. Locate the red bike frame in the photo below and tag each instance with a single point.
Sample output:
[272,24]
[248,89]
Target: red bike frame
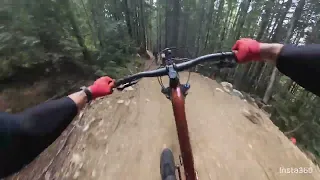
[178,104]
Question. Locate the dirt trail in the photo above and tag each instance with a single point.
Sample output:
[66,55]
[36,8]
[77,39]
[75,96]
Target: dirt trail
[122,136]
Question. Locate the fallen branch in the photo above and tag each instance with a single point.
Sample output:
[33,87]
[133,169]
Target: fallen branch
[295,129]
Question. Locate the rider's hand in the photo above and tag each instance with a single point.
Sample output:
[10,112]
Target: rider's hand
[247,50]
[102,87]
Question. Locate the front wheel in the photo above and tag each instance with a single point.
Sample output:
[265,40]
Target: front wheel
[167,165]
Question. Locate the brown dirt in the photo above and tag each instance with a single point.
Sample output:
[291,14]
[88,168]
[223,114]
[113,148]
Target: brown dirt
[122,136]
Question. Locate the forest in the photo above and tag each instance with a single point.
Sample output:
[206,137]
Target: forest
[104,36]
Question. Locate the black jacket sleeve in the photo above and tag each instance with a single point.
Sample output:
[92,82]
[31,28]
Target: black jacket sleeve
[25,135]
[302,65]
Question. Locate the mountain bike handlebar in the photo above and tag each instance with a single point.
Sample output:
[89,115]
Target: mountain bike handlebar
[227,58]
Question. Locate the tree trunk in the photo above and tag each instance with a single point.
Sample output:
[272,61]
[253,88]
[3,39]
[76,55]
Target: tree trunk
[226,26]
[259,65]
[185,28]
[244,10]
[158,29]
[132,7]
[241,18]
[175,21]
[200,20]
[160,33]
[89,23]
[280,22]
[115,10]
[264,22]
[293,23]
[137,21]
[209,24]
[143,31]
[294,20]
[217,24]
[266,32]
[268,92]
[231,22]
[166,24]
[259,78]
[76,31]
[150,30]
[236,19]
[127,15]
[269,89]
[277,13]
[265,18]
[96,14]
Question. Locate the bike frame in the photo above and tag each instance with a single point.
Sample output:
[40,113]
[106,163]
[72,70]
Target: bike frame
[178,105]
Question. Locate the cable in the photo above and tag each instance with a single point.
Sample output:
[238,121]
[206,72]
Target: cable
[159,78]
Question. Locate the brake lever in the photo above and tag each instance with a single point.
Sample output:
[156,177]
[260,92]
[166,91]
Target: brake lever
[122,87]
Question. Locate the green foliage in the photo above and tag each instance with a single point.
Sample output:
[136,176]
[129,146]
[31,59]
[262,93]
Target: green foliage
[305,108]
[33,32]
[118,50]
